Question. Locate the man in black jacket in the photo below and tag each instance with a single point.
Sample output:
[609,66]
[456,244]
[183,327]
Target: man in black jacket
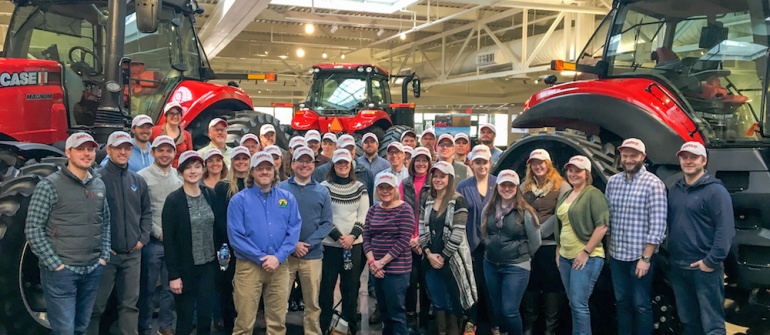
[131,223]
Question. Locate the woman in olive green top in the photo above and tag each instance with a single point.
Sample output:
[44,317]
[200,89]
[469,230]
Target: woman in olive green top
[583,216]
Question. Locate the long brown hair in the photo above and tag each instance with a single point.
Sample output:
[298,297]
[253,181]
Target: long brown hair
[448,194]
[552,175]
[249,181]
[520,205]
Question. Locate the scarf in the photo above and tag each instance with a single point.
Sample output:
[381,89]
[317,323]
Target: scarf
[501,211]
[541,191]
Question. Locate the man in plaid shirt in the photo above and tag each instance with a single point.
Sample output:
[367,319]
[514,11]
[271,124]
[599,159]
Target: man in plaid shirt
[638,213]
[68,229]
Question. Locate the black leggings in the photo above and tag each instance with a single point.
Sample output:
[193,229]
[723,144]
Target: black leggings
[196,291]
[417,278]
[349,282]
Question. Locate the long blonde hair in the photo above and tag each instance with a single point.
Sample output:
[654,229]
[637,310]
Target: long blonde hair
[552,175]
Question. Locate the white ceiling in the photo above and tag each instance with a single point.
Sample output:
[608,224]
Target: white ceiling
[442,40]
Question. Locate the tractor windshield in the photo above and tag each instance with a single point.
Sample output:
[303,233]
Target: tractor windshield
[75,35]
[345,93]
[714,52]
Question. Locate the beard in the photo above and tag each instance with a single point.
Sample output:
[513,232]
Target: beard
[485,141]
[637,167]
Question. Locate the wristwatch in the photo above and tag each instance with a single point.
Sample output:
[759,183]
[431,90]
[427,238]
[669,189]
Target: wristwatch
[646,259]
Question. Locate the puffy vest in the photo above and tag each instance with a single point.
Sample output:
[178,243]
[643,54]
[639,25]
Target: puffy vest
[410,193]
[76,222]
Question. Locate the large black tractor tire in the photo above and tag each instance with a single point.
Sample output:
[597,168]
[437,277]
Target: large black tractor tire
[247,121]
[22,306]
[393,134]
[562,146]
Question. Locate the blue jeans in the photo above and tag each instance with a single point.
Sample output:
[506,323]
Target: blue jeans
[579,284]
[154,265]
[506,284]
[391,297]
[699,298]
[442,290]
[633,297]
[69,298]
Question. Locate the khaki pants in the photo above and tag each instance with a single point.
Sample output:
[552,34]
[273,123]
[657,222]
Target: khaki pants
[310,277]
[249,282]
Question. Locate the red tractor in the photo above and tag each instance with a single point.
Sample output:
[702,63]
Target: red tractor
[667,72]
[355,99]
[90,65]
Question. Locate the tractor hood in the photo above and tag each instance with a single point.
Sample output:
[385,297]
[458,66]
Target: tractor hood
[627,107]
[28,72]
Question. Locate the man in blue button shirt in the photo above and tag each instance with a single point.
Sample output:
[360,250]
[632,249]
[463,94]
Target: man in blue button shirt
[263,224]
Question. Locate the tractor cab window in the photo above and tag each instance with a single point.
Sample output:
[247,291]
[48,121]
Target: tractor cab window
[715,56]
[337,93]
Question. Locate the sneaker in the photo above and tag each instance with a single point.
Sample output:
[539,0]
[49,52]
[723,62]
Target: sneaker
[470,329]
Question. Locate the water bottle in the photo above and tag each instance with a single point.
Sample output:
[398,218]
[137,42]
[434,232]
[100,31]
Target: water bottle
[347,256]
[224,257]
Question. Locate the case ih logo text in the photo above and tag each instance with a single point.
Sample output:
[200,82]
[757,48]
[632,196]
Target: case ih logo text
[8,79]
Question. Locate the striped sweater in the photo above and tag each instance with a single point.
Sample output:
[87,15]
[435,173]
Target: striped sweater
[350,203]
[387,231]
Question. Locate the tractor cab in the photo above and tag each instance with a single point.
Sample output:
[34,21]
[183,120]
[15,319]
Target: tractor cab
[353,98]
[707,57]
[128,74]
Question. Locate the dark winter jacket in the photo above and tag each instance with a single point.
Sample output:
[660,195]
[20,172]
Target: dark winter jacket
[701,223]
[130,207]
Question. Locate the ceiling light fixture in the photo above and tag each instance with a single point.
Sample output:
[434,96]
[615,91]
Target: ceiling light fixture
[324,55]
[342,56]
[300,53]
[380,32]
[402,36]
[283,56]
[334,29]
[309,28]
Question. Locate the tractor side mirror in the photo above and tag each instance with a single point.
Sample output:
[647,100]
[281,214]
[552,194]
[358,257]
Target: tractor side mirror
[416,87]
[147,12]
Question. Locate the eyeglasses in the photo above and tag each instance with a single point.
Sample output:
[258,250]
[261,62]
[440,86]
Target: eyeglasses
[304,162]
[446,145]
[264,168]
[219,130]
[171,114]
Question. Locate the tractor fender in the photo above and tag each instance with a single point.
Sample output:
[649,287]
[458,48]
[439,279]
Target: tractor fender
[368,118]
[197,97]
[29,150]
[591,113]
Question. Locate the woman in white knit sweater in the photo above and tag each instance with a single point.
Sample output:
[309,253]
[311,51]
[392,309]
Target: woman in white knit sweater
[343,248]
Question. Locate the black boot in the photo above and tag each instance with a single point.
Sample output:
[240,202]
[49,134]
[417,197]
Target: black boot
[441,322]
[530,308]
[553,305]
[452,324]
[375,317]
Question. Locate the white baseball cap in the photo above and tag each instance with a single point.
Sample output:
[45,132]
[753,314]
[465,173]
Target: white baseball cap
[694,148]
[172,105]
[163,139]
[312,135]
[489,126]
[261,157]
[408,150]
[330,137]
[341,155]
[508,176]
[421,151]
[446,137]
[369,135]
[188,155]
[540,154]
[141,120]
[408,132]
[397,145]
[443,167]
[633,143]
[240,150]
[249,137]
[273,150]
[463,136]
[428,131]
[266,128]
[303,151]
[77,139]
[580,162]
[346,140]
[481,151]
[215,121]
[213,152]
[118,138]
[385,178]
[297,141]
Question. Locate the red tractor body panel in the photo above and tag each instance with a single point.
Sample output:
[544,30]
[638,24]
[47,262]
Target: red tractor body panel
[33,108]
[646,94]
[306,119]
[197,96]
